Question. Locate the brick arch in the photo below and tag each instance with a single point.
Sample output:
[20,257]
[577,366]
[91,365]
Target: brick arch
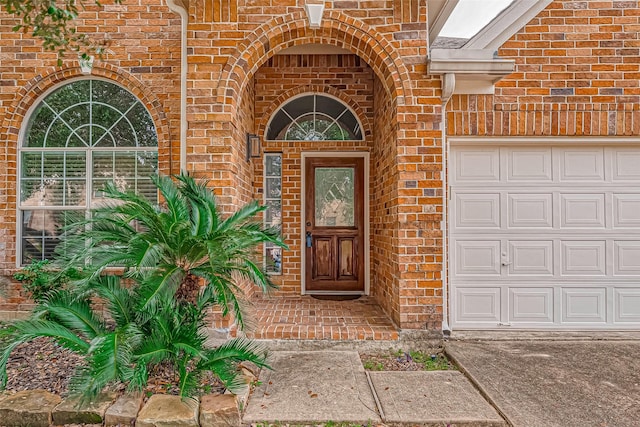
[31,92]
[330,90]
[290,30]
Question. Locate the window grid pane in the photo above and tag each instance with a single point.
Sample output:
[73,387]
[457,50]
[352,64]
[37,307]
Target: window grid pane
[80,136]
[314,117]
[273,213]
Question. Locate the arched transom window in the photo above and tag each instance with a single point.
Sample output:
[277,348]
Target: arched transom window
[79,137]
[314,117]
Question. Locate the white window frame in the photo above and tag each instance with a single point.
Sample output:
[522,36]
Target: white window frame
[20,208]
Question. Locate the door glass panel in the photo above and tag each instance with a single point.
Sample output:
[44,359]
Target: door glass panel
[334,197]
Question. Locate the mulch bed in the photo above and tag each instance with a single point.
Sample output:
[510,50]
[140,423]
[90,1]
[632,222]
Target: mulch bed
[41,364]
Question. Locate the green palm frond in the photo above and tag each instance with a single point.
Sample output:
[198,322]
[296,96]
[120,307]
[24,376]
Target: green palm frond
[245,213]
[121,302]
[159,284]
[223,361]
[188,379]
[75,314]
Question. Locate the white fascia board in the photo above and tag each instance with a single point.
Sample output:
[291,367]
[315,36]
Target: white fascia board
[465,61]
[506,24]
[443,9]
[474,71]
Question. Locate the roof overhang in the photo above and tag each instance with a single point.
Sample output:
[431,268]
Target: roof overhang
[472,70]
[476,67]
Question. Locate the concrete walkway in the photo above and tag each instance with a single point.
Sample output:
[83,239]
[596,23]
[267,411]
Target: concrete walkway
[316,387]
[585,383]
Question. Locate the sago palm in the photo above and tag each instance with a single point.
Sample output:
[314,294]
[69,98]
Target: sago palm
[179,260]
[171,249]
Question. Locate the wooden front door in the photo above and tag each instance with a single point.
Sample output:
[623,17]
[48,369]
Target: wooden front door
[334,224]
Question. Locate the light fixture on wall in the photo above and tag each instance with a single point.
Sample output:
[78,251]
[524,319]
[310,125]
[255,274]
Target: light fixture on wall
[314,14]
[253,146]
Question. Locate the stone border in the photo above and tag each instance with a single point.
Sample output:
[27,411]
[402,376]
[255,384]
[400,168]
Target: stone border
[39,408]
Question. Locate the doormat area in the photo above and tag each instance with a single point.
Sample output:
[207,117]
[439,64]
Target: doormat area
[336,297]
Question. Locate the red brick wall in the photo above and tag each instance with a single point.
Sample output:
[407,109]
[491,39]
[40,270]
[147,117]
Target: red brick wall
[577,73]
[229,45]
[384,211]
[144,57]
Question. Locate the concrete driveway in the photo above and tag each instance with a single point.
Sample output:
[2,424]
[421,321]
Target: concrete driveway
[556,383]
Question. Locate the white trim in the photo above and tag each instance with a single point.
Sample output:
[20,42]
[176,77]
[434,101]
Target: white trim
[544,140]
[444,11]
[506,24]
[367,255]
[475,86]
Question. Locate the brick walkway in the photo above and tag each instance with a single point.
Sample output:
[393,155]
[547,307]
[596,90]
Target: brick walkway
[307,318]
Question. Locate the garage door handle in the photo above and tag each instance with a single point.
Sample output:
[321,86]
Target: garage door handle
[505,263]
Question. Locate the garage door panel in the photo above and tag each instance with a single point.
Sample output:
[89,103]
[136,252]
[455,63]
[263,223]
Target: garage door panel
[530,210]
[582,210]
[584,305]
[476,165]
[578,164]
[583,258]
[529,164]
[625,165]
[627,305]
[626,210]
[531,258]
[478,305]
[626,255]
[545,237]
[477,210]
[531,305]
[477,257]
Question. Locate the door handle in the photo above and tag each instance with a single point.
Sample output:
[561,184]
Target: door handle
[308,239]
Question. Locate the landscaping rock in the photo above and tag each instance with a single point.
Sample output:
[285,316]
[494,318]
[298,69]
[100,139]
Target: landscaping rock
[28,408]
[163,410]
[219,411]
[71,412]
[124,411]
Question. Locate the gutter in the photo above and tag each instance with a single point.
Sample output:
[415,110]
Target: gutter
[448,86]
[179,7]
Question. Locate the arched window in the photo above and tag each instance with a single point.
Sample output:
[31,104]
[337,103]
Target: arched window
[314,117]
[77,138]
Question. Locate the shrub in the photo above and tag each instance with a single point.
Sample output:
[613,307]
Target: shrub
[181,259]
[39,278]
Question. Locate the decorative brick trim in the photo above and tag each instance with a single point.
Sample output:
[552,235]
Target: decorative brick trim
[289,30]
[481,115]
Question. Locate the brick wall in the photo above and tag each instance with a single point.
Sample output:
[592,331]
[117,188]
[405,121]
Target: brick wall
[577,73]
[144,57]
[384,212]
[232,49]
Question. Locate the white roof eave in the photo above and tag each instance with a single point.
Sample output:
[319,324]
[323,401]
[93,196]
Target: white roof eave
[475,67]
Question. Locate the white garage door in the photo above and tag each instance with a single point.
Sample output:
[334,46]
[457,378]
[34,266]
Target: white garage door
[545,237]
